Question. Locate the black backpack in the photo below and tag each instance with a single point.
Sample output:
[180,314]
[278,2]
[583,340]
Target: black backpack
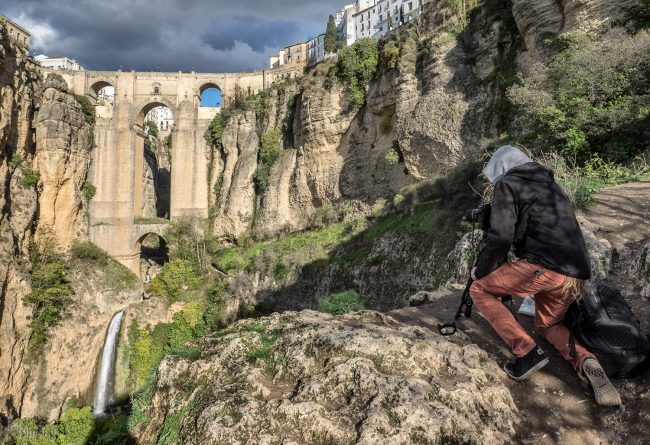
[604,323]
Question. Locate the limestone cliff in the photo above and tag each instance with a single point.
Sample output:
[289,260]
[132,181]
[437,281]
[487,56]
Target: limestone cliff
[426,110]
[18,85]
[63,146]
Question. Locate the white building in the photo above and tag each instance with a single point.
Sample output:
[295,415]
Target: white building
[345,24]
[316,49]
[58,63]
[162,117]
[373,20]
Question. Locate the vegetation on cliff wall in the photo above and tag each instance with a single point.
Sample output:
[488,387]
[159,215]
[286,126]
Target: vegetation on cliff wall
[355,68]
[592,99]
[51,293]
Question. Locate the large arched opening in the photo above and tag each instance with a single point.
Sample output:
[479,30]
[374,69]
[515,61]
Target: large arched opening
[153,163]
[103,92]
[211,96]
[153,252]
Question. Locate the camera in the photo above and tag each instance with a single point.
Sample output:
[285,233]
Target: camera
[481,215]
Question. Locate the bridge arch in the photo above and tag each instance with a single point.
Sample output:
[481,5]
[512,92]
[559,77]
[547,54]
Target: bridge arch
[150,253]
[210,95]
[102,90]
[160,177]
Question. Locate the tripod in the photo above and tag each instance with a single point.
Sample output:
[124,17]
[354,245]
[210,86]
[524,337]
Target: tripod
[465,308]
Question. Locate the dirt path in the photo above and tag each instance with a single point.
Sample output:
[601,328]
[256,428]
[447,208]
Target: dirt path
[555,406]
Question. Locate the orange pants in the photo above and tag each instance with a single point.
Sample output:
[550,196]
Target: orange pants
[520,279]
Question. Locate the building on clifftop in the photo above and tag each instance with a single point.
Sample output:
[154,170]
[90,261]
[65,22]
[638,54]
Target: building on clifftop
[58,63]
[16,32]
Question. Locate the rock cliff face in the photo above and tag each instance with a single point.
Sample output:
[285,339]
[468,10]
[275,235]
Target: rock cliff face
[45,145]
[311,378]
[64,142]
[427,110]
[18,84]
[540,19]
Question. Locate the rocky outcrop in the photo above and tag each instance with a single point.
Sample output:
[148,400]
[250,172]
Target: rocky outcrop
[236,199]
[156,179]
[310,378]
[18,204]
[64,143]
[539,20]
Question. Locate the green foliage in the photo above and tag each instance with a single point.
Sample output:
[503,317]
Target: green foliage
[463,7]
[88,190]
[187,242]
[51,295]
[392,157]
[151,129]
[341,303]
[87,253]
[75,428]
[87,108]
[580,183]
[30,177]
[16,161]
[330,35]
[270,152]
[356,67]
[390,53]
[214,134]
[214,313]
[175,277]
[168,142]
[592,99]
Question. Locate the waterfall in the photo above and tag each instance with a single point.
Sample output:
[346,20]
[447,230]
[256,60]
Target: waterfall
[106,371]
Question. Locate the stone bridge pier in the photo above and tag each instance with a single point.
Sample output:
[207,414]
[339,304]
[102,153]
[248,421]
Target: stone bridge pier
[118,156]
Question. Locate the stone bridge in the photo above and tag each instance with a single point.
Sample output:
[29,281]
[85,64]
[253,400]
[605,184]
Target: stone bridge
[118,156]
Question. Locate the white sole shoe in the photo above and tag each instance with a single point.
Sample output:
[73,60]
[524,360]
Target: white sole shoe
[604,391]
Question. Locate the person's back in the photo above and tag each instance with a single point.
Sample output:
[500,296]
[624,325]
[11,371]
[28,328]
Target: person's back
[532,214]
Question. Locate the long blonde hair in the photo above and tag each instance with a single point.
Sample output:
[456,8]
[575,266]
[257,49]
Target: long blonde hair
[574,287]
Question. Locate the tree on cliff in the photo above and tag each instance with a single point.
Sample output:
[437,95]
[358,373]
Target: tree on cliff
[330,36]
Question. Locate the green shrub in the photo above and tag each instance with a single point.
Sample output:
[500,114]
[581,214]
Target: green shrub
[214,134]
[50,297]
[75,428]
[592,99]
[151,128]
[392,157]
[356,67]
[16,161]
[341,303]
[30,177]
[270,152]
[390,54]
[88,190]
[85,250]
[87,108]
[176,276]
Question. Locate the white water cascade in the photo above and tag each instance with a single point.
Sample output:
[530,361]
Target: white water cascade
[107,369]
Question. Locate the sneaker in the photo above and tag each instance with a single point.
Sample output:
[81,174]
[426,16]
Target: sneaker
[524,366]
[604,391]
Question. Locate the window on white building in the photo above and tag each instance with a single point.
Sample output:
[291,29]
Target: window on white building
[410,6]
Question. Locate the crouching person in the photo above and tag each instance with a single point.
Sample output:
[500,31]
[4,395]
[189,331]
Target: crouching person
[531,213]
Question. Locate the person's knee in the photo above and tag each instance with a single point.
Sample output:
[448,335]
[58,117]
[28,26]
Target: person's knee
[478,293]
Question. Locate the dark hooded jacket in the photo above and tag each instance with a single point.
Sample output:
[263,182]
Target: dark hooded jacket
[531,213]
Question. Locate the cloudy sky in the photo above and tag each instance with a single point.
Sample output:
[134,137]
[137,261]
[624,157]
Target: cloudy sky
[168,35]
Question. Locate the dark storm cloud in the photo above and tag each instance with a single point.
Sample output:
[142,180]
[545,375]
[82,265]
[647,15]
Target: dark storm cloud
[258,34]
[171,35]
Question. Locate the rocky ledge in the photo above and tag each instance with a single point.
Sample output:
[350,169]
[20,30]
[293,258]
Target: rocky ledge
[310,378]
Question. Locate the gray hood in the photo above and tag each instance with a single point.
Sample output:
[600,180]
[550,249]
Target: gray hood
[504,159]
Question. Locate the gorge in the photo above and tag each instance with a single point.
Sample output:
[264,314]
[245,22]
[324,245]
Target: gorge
[341,187]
